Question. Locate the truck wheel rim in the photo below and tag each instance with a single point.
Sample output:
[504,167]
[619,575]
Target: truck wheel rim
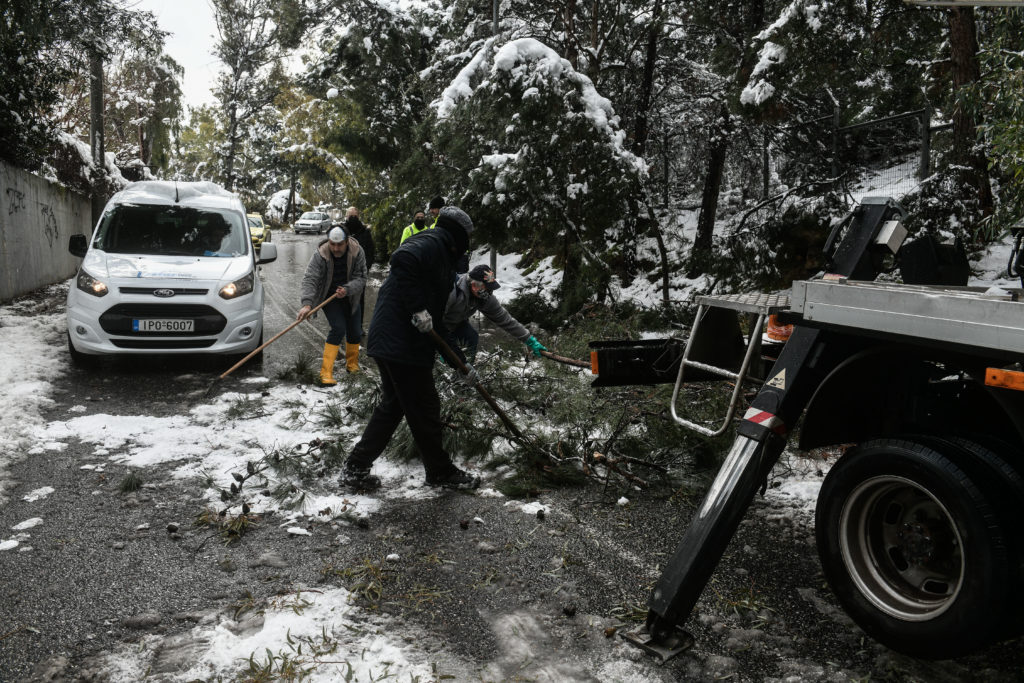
[902,548]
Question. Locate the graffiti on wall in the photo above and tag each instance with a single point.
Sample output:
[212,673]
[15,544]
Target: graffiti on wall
[50,228]
[15,201]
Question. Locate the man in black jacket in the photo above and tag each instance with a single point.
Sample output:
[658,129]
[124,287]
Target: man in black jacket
[411,299]
[356,228]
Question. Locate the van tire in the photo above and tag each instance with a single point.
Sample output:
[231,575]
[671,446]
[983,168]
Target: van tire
[81,360]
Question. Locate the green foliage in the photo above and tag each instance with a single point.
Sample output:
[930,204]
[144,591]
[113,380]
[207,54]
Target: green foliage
[132,482]
[44,56]
[303,369]
[998,100]
[945,205]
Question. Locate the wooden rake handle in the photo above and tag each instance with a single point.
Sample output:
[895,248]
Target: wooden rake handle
[567,361]
[456,362]
[277,336]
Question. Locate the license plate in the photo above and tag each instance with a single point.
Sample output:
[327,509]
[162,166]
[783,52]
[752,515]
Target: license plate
[163,325]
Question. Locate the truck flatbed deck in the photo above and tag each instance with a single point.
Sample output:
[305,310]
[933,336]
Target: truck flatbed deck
[949,316]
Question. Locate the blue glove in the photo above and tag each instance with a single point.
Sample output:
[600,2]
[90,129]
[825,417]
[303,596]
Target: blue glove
[535,346]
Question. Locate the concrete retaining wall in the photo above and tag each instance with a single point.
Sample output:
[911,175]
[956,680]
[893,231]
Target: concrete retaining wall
[36,219]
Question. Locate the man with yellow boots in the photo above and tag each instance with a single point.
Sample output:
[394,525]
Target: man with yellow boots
[338,266]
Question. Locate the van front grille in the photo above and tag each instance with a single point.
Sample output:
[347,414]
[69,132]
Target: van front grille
[178,291]
[118,319]
[158,344]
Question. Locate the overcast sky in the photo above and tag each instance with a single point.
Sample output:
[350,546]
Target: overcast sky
[192,29]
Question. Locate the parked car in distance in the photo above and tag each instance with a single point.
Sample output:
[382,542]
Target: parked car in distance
[315,222]
[170,269]
[258,230]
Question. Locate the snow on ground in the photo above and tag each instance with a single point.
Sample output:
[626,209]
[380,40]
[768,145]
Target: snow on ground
[29,366]
[320,630]
[207,441]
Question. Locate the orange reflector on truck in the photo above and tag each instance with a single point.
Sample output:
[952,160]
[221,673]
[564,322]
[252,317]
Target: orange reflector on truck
[593,362]
[1004,379]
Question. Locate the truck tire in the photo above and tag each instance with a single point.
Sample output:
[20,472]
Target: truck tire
[913,550]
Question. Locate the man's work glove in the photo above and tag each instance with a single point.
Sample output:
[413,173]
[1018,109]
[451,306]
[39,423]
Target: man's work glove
[422,321]
[471,378]
[535,346]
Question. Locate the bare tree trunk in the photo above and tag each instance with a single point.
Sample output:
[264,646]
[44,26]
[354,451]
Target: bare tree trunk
[569,19]
[700,255]
[144,152]
[232,143]
[967,150]
[96,140]
[289,210]
[641,129]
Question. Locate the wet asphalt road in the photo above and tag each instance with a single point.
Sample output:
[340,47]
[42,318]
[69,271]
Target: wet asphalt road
[557,588]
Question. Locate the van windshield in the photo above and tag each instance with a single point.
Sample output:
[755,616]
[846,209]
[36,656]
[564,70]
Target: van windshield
[171,231]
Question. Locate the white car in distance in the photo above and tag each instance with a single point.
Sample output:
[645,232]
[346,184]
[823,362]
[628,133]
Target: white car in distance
[315,222]
[170,269]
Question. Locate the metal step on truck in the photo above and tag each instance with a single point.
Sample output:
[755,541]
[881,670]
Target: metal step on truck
[919,522]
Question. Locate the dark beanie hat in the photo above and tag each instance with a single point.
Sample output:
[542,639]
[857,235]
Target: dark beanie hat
[485,275]
[436,203]
[453,217]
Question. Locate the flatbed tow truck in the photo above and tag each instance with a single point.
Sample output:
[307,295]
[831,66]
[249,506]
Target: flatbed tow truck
[918,523]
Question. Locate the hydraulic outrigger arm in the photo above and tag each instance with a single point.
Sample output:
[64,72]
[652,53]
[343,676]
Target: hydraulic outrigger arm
[761,437]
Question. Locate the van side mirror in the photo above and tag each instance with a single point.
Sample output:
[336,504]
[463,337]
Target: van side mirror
[78,245]
[268,253]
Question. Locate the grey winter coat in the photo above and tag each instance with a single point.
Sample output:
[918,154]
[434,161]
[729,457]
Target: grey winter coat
[462,304]
[317,280]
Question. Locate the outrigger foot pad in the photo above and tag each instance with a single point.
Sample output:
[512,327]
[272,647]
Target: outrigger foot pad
[664,648]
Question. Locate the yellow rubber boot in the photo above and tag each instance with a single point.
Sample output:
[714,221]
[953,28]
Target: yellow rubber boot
[352,357]
[327,369]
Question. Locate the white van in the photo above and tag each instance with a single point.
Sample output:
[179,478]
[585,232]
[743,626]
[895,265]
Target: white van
[170,269]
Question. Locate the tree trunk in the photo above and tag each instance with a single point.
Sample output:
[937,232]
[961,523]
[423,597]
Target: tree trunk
[641,129]
[289,210]
[700,255]
[967,150]
[232,144]
[569,19]
[96,141]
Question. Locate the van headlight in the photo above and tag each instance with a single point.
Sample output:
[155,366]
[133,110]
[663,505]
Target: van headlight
[239,287]
[90,285]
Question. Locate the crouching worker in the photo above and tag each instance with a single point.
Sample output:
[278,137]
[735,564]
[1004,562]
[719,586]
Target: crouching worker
[338,266]
[472,292]
[409,302]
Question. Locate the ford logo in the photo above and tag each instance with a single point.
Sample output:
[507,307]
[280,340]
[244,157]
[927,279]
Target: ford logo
[163,293]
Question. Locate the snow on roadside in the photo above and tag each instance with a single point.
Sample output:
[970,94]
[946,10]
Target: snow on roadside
[317,630]
[29,365]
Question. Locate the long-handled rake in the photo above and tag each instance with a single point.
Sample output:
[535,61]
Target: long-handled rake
[265,344]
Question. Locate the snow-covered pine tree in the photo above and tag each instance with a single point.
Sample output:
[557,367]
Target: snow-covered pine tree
[536,155]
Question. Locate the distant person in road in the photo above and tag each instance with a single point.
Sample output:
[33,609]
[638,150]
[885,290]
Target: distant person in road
[338,265]
[435,206]
[418,225]
[409,302]
[434,209]
[472,293]
[356,228]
